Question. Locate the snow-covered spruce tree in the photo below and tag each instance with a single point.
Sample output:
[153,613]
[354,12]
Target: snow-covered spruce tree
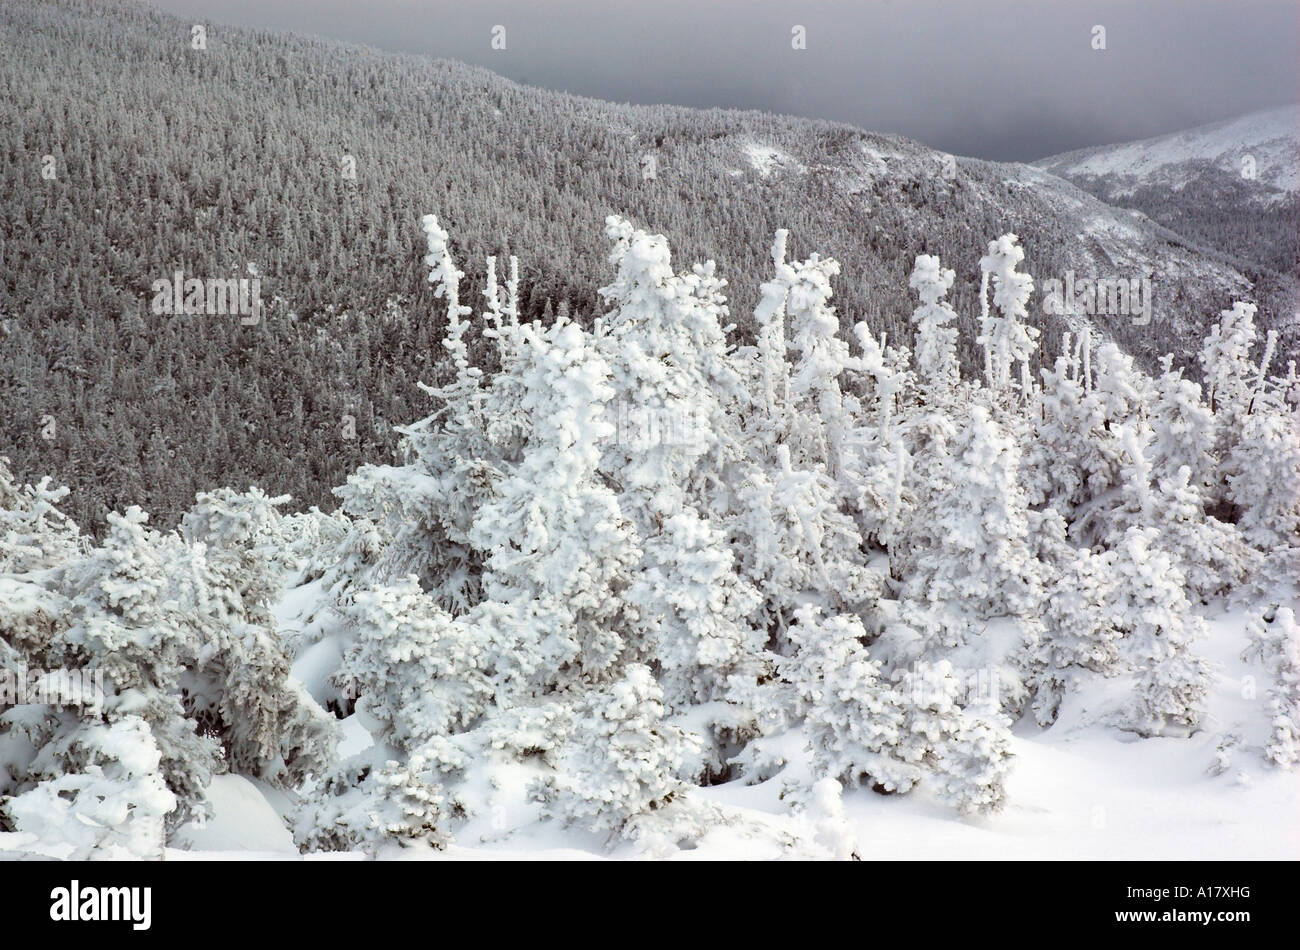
[34,533]
[1262,470]
[856,443]
[1113,411]
[555,541]
[1006,338]
[31,615]
[124,620]
[418,672]
[926,430]
[834,833]
[864,729]
[79,786]
[422,679]
[1061,463]
[1078,631]
[554,555]
[1258,448]
[365,806]
[1213,556]
[935,349]
[1152,611]
[1274,643]
[1226,365]
[819,421]
[973,766]
[550,618]
[184,645]
[423,509]
[1134,504]
[664,343]
[793,538]
[852,716]
[240,689]
[879,495]
[770,417]
[804,548]
[1184,430]
[964,751]
[978,565]
[1257,484]
[620,765]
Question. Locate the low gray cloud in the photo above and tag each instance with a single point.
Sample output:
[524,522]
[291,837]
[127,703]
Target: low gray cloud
[1002,79]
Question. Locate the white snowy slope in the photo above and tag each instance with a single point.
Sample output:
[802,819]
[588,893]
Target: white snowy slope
[1261,149]
[1079,790]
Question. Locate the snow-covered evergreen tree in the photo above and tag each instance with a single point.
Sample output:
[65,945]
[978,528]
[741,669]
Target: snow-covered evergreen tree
[964,751]
[418,672]
[1159,628]
[664,343]
[853,717]
[98,794]
[1225,362]
[225,584]
[554,538]
[122,622]
[34,533]
[1006,338]
[936,341]
[365,806]
[1274,643]
[978,565]
[1262,469]
[1184,430]
[1078,631]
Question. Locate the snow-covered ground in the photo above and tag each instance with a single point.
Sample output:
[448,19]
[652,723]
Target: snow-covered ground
[766,159]
[1079,790]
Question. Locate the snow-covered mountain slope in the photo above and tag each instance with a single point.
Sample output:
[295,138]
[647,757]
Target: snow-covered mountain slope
[1261,147]
[1233,185]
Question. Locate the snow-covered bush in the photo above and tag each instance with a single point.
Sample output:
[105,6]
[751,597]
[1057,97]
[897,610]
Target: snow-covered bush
[622,761]
[1078,632]
[417,671]
[34,533]
[964,751]
[99,793]
[364,806]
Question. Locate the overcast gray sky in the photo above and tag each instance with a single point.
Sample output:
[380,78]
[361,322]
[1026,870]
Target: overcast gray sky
[1001,79]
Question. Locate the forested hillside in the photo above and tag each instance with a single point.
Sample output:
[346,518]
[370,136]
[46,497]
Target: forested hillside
[168,158]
